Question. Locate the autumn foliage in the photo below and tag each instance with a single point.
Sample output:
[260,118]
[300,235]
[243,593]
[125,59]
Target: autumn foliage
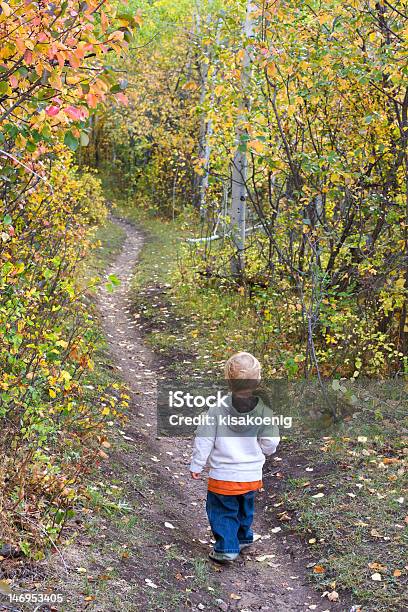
[322,122]
[54,72]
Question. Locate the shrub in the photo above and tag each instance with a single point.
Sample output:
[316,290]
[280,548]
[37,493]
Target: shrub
[51,430]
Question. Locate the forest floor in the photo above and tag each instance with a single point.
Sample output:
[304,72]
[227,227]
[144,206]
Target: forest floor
[151,552]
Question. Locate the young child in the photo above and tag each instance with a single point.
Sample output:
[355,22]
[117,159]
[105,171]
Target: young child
[236,453]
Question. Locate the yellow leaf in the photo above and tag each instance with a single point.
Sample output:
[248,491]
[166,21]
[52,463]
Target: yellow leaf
[5,8]
[271,69]
[256,145]
[5,587]
[378,567]
[190,86]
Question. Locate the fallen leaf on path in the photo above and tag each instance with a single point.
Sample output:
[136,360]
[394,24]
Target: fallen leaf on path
[236,597]
[318,495]
[377,566]
[262,558]
[397,573]
[318,569]
[333,596]
[5,587]
[150,583]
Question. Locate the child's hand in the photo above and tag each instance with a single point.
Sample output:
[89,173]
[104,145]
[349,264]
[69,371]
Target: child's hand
[195,475]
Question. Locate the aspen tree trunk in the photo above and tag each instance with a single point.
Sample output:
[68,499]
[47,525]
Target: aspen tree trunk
[240,161]
[207,133]
[203,73]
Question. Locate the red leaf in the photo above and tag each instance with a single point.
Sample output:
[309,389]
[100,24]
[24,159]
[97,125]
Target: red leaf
[123,98]
[74,113]
[28,56]
[52,110]
[74,61]
[92,100]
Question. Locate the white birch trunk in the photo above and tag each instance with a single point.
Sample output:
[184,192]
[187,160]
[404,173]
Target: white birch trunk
[240,161]
[203,70]
[208,131]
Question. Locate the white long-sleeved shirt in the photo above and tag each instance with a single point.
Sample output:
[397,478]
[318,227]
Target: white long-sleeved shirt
[235,452]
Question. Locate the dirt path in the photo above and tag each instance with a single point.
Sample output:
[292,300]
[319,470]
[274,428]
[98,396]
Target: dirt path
[139,563]
[278,582]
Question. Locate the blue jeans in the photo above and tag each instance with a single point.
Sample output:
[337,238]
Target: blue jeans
[231,519]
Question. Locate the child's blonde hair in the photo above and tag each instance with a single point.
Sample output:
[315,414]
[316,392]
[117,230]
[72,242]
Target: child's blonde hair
[244,366]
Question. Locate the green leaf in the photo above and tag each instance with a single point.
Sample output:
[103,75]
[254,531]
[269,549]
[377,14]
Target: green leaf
[5,88]
[71,141]
[112,283]
[114,280]
[84,139]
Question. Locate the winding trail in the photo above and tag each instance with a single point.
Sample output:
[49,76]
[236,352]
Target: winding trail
[277,583]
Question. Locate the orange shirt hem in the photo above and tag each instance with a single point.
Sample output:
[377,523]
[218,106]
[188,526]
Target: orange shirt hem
[225,487]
